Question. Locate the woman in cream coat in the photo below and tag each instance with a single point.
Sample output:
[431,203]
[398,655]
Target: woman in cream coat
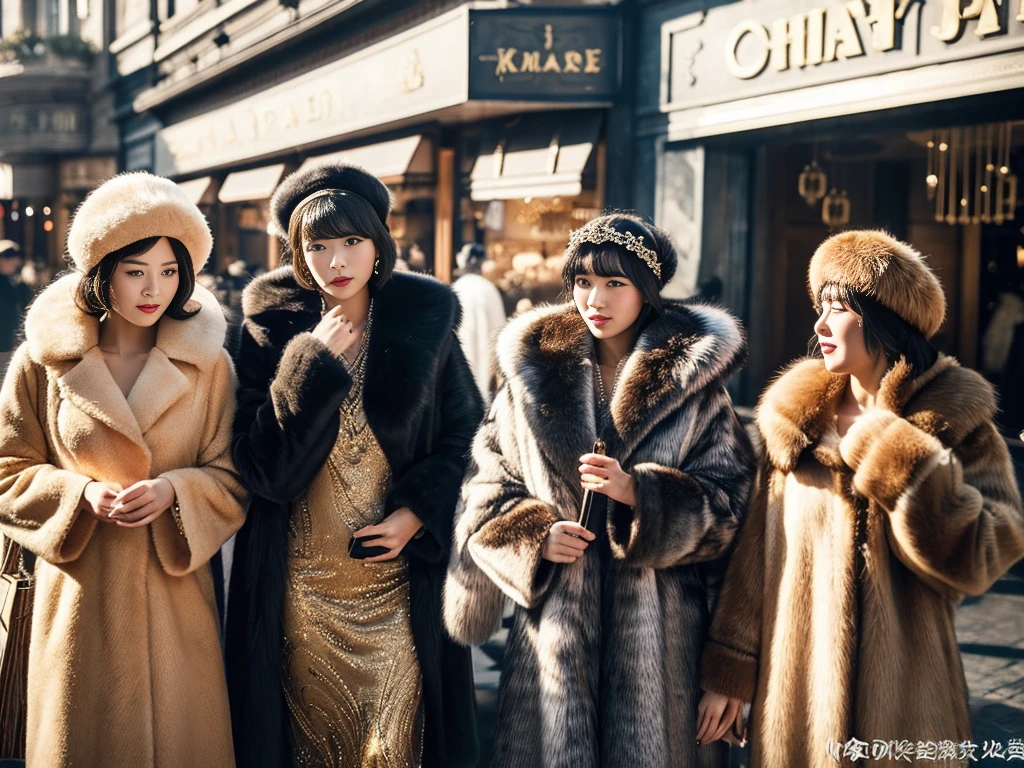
[124,497]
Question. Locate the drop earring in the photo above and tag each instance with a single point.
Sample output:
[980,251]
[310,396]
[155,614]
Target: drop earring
[323,305]
[376,264]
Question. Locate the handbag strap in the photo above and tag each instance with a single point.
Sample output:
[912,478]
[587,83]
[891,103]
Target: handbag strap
[14,559]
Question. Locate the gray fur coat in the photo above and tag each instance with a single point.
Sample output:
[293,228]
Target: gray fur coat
[601,662]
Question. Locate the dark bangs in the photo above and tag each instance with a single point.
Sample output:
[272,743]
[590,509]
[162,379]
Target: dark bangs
[93,295]
[884,330]
[610,260]
[342,214]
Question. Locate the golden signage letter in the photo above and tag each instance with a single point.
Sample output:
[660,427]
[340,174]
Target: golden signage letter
[841,38]
[531,62]
[815,36]
[760,61]
[574,60]
[593,61]
[505,63]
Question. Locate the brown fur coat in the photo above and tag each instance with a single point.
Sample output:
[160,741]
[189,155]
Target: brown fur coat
[601,661]
[836,615]
[125,661]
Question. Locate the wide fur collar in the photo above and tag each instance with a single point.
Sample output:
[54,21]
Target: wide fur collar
[58,332]
[548,354]
[797,412]
[414,317]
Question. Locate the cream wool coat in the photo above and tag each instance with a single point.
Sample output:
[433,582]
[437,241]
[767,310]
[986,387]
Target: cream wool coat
[125,661]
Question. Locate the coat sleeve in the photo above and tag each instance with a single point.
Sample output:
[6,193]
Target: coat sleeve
[729,664]
[210,494]
[430,487]
[499,531]
[954,513]
[689,513]
[286,408]
[40,504]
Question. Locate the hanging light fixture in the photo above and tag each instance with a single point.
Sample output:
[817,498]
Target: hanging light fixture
[812,182]
[835,210]
[969,176]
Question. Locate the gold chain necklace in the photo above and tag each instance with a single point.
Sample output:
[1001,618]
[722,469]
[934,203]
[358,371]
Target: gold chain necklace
[354,437]
[602,399]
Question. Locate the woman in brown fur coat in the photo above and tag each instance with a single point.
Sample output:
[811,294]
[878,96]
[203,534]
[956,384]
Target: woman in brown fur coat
[884,495]
[116,472]
[601,662]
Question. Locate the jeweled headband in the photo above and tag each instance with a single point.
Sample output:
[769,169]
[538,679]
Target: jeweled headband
[599,233]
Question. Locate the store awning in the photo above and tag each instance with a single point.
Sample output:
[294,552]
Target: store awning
[198,191]
[257,184]
[537,157]
[393,162]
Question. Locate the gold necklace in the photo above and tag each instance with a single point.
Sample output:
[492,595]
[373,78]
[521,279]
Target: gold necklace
[354,434]
[601,397]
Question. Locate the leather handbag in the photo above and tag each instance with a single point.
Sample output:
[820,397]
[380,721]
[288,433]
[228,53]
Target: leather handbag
[16,592]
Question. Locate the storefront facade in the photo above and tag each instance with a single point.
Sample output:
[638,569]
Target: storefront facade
[472,115]
[778,123]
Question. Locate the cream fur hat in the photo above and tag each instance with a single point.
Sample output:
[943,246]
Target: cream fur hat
[131,207]
[877,264]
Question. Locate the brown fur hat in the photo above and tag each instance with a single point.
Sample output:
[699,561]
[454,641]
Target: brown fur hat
[131,207]
[878,265]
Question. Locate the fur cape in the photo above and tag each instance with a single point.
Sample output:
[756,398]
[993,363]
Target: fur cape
[836,615]
[125,664]
[601,661]
[423,408]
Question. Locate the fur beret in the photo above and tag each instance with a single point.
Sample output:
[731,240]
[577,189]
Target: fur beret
[297,186]
[878,265]
[131,207]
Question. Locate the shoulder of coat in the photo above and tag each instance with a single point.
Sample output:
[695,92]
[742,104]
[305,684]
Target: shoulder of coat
[795,409]
[950,401]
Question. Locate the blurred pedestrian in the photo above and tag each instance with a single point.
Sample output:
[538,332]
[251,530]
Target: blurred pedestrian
[15,296]
[483,315]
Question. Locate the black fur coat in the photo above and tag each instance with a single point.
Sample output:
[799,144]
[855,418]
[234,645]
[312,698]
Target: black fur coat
[423,408]
[601,662]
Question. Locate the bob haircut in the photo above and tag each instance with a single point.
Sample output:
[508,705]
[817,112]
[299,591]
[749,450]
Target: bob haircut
[884,330]
[93,295]
[334,215]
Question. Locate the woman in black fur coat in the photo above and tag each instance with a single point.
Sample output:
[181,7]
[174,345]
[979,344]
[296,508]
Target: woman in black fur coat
[355,415]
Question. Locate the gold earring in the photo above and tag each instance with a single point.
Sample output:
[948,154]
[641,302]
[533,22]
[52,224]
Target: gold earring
[98,295]
[376,264]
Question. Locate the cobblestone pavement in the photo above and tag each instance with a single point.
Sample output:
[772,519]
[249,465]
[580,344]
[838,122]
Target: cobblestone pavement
[990,630]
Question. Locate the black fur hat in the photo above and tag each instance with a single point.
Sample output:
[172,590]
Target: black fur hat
[299,185]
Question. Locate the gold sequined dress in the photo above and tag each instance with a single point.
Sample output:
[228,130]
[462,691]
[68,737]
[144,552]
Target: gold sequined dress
[351,675]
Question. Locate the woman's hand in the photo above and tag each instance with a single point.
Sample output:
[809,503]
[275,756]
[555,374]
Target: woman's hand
[719,717]
[566,542]
[604,475]
[142,503]
[98,499]
[336,331]
[393,532]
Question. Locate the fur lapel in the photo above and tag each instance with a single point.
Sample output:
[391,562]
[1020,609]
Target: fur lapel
[64,339]
[547,356]
[413,320]
[797,412]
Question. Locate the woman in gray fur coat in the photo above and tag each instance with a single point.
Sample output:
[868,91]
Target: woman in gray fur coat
[610,619]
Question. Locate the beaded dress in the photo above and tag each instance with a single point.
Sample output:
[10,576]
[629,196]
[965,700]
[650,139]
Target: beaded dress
[351,675]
